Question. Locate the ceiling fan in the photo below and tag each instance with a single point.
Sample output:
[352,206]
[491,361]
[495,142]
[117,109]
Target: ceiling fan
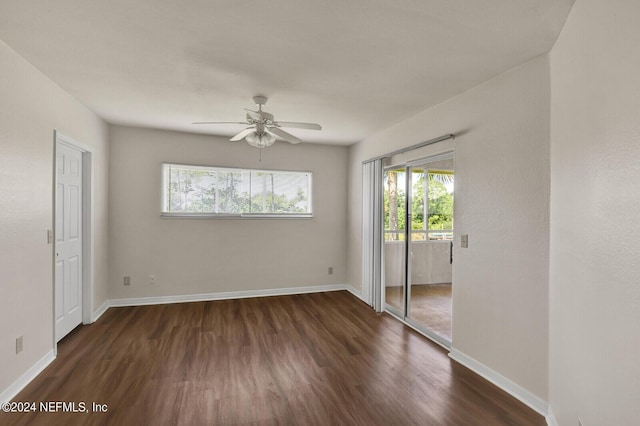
[264,130]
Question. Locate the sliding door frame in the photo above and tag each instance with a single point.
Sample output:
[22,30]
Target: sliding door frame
[404,315]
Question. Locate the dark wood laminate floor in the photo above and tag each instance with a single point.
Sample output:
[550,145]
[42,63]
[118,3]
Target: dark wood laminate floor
[429,306]
[315,359]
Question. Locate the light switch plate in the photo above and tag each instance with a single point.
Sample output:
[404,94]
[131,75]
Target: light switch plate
[464,240]
[49,236]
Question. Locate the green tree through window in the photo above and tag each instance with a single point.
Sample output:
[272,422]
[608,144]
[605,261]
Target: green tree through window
[216,190]
[439,208]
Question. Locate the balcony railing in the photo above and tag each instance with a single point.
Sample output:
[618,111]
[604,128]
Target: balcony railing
[420,235]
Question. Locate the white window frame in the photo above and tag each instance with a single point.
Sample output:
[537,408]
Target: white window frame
[212,215]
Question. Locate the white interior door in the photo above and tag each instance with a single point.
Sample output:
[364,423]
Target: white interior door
[68,240]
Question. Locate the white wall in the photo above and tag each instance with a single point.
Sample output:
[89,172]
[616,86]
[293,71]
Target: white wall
[430,262]
[193,256]
[595,216]
[31,108]
[500,291]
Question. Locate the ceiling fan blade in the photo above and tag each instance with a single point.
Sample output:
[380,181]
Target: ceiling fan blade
[259,115]
[309,126]
[284,135]
[219,122]
[254,114]
[242,134]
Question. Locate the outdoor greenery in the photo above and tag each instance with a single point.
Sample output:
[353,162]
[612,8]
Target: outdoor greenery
[439,205]
[199,190]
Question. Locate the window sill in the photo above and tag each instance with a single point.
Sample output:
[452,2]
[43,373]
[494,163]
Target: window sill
[165,215]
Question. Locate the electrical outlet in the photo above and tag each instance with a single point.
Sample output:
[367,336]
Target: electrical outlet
[330,270]
[19,345]
[127,280]
[152,279]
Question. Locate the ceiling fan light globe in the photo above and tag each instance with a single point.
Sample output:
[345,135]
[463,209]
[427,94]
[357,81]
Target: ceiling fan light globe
[268,139]
[261,140]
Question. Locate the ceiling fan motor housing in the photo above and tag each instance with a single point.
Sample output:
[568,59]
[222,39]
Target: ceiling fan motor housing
[260,100]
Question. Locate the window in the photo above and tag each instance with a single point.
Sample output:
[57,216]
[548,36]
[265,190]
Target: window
[223,192]
[431,204]
[437,191]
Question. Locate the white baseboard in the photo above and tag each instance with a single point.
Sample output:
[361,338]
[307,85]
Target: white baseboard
[551,419]
[515,390]
[357,293]
[204,297]
[101,310]
[9,393]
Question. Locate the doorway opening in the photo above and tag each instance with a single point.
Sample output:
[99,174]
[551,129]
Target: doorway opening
[417,281]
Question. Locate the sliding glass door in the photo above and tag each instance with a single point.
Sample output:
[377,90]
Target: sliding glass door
[418,221]
[395,240]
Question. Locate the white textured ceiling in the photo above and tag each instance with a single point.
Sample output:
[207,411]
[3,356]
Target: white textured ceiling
[354,66]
